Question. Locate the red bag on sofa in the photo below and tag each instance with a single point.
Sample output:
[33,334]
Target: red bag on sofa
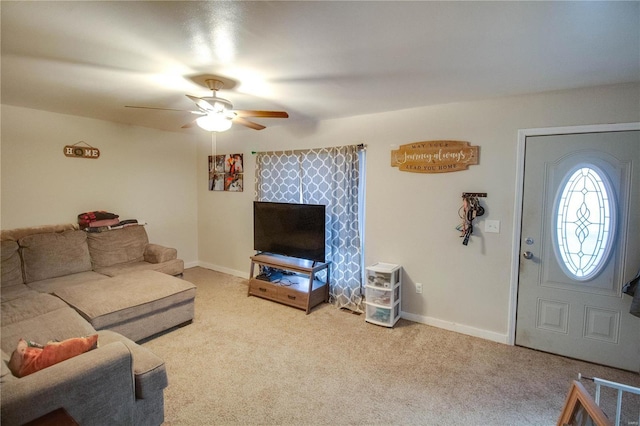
[85,219]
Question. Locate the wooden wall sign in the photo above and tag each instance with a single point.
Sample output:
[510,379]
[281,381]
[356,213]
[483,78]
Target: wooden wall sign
[81,151]
[434,156]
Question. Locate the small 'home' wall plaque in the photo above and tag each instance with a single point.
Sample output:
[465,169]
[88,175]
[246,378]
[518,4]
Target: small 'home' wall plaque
[434,156]
[81,151]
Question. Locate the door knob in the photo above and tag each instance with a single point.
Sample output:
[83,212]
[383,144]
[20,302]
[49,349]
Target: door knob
[527,255]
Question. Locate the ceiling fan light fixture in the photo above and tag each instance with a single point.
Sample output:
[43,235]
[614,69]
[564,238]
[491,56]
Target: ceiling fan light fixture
[217,114]
[214,122]
[216,104]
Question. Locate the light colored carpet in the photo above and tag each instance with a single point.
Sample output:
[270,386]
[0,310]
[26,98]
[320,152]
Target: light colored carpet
[247,361]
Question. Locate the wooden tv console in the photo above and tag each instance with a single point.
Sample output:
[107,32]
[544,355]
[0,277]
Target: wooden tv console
[299,289]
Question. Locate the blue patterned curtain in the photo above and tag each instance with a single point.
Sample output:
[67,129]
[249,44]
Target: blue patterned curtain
[329,176]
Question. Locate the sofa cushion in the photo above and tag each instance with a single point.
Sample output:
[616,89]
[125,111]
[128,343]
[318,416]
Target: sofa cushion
[27,359]
[117,246]
[52,284]
[54,255]
[11,266]
[14,292]
[5,375]
[171,267]
[148,369]
[124,302]
[17,233]
[59,324]
[29,306]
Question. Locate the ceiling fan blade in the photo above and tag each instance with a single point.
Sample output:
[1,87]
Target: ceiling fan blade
[248,123]
[254,113]
[201,103]
[189,124]
[162,109]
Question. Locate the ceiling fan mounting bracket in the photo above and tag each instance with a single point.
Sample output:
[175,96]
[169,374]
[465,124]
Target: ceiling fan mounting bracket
[214,84]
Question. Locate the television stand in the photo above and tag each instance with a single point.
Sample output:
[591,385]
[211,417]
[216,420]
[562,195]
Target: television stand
[300,289]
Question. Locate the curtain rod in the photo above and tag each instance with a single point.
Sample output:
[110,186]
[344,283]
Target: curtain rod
[361,147]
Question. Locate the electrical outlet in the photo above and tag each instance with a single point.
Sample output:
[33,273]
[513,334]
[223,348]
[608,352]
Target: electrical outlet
[492,226]
[418,287]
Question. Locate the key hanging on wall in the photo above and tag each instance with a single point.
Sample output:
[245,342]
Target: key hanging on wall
[470,209]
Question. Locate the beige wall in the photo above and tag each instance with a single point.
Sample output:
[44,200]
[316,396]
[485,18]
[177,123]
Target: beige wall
[141,174]
[411,218]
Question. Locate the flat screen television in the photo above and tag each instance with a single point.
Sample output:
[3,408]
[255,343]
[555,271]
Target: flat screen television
[296,230]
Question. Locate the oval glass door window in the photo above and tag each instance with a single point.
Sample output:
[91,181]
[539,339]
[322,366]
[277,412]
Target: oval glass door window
[585,212]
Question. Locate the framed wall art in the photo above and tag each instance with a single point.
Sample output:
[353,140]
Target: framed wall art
[226,172]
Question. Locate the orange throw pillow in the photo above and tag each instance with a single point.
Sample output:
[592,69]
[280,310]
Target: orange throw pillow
[27,359]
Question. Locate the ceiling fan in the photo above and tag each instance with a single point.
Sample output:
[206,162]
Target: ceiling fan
[217,114]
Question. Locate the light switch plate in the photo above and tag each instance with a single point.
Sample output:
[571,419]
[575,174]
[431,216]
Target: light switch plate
[492,226]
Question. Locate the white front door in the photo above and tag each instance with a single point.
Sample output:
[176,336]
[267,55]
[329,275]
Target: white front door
[580,241]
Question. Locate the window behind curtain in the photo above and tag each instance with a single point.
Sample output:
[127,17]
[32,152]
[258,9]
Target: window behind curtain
[329,176]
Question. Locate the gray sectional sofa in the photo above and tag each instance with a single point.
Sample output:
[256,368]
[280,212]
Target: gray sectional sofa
[60,282]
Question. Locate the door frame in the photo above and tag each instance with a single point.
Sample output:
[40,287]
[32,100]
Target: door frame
[517,218]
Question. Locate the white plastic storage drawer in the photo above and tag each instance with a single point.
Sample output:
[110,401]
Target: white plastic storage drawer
[385,275]
[382,297]
[383,316]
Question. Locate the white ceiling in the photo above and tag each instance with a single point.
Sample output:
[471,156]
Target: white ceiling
[316,60]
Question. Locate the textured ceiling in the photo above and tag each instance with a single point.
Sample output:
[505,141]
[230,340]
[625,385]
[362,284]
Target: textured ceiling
[316,60]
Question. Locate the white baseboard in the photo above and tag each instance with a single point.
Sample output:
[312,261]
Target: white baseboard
[213,267]
[193,264]
[458,328]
